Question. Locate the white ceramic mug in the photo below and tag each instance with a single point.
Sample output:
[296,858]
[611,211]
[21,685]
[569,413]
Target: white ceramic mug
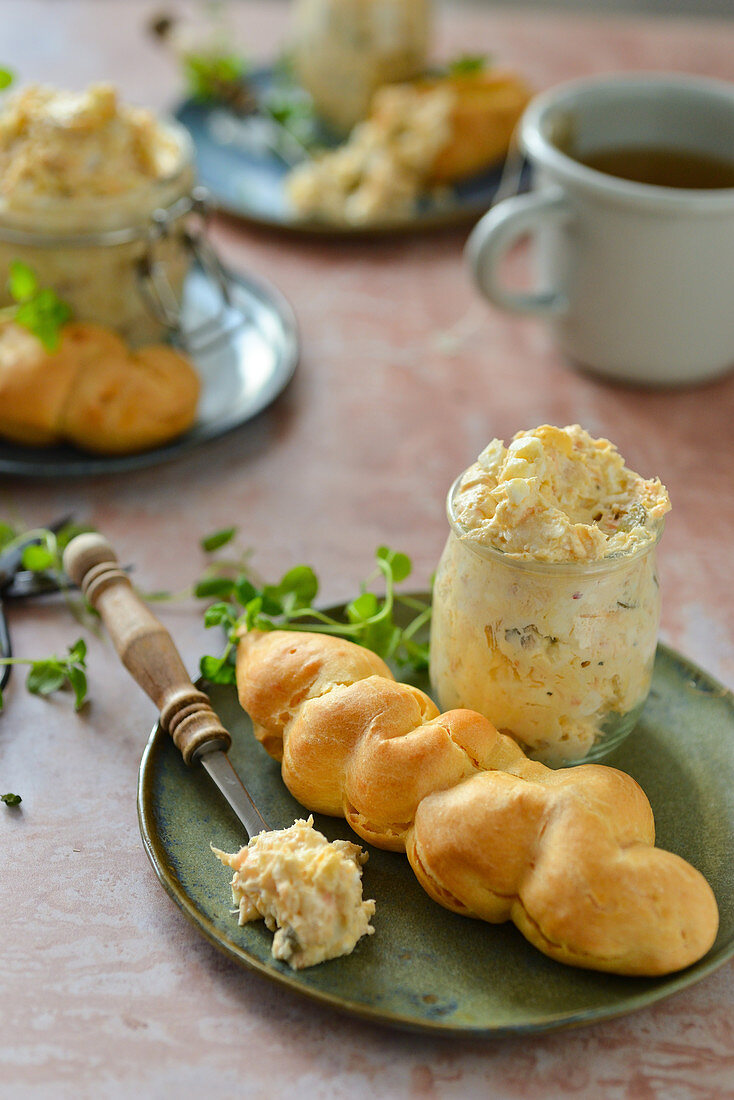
[637,280]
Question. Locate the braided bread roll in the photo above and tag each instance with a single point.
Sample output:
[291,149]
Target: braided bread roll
[93,391]
[566,854]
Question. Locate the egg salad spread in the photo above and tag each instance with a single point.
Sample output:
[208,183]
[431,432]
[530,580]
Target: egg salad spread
[379,172]
[307,890]
[546,602]
[71,145]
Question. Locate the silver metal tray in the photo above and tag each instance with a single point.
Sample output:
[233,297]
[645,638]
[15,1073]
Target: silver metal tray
[245,353]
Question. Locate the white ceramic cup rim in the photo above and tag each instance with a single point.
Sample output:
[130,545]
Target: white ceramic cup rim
[537,146]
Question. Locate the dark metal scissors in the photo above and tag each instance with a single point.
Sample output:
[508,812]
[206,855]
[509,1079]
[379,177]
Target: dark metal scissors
[19,583]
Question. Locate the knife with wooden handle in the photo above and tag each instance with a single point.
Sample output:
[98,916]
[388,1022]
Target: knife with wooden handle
[148,653]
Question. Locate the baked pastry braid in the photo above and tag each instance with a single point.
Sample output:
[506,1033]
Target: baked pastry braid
[567,854]
[93,391]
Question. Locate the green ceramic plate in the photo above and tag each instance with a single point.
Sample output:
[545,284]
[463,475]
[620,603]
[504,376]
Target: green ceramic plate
[426,968]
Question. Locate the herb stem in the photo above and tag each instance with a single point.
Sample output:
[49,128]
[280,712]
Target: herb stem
[418,622]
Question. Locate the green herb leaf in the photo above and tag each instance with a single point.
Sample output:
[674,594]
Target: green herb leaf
[218,539]
[292,110]
[78,652]
[211,76]
[49,674]
[219,614]
[468,64]
[45,677]
[400,564]
[270,602]
[382,637]
[44,315]
[369,619]
[37,558]
[22,282]
[298,587]
[78,680]
[217,670]
[6,78]
[213,586]
[39,309]
[52,673]
[244,590]
[363,607]
[11,799]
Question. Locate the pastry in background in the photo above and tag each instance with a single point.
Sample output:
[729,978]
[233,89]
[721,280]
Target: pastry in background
[94,391]
[485,110]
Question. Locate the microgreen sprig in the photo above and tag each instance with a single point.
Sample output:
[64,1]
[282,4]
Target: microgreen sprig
[214,75]
[11,799]
[43,548]
[52,673]
[37,308]
[245,604]
[42,554]
[468,64]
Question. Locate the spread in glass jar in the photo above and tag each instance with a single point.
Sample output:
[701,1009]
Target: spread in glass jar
[343,50]
[546,602]
[81,176]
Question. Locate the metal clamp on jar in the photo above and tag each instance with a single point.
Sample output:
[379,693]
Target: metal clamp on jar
[185,222]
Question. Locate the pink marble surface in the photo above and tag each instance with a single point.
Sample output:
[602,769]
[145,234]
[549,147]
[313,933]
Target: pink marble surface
[405,375]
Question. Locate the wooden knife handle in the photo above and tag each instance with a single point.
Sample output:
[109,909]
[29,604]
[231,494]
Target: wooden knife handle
[145,647]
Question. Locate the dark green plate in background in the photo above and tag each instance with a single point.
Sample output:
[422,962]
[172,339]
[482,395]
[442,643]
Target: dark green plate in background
[247,179]
[425,968]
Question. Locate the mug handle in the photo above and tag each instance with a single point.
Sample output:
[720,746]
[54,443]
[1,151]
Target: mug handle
[495,234]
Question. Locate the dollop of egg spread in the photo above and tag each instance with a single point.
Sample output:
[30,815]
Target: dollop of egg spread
[59,144]
[557,494]
[307,890]
[380,171]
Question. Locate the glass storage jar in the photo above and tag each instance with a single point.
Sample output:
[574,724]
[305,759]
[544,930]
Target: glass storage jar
[118,261]
[557,654]
[343,50]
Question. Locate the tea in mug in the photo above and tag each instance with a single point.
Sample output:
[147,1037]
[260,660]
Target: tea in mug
[662,167]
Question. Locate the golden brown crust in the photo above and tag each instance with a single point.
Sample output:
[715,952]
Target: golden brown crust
[93,391]
[567,855]
[487,107]
[31,399]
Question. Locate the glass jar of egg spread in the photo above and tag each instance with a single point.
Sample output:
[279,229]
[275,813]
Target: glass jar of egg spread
[93,197]
[343,50]
[546,602]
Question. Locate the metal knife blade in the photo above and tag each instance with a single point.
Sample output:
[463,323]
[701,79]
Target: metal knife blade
[222,772]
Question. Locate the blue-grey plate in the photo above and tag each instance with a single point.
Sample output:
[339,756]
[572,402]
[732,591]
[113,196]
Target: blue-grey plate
[426,968]
[242,370]
[247,179]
